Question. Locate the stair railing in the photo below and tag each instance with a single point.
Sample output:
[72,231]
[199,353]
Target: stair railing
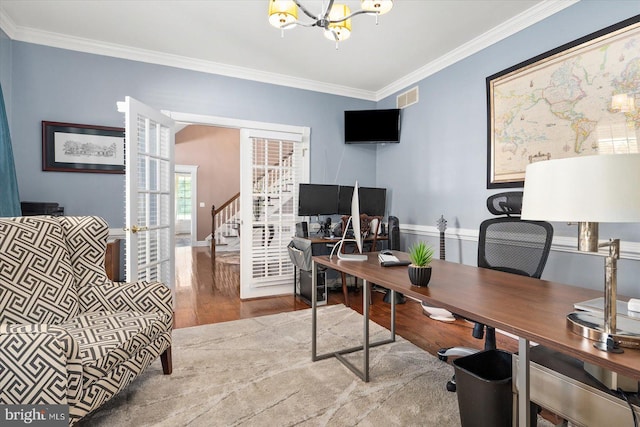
[223,218]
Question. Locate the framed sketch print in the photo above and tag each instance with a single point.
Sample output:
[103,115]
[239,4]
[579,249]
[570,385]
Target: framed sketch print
[69,147]
[580,99]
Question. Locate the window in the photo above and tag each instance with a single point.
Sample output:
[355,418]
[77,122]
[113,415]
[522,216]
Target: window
[183,196]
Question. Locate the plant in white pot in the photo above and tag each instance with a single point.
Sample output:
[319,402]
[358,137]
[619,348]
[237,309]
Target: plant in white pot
[420,256]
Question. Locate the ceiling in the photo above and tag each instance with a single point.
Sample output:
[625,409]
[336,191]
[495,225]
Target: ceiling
[415,39]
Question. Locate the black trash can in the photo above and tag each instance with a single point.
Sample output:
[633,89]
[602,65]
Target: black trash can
[483,384]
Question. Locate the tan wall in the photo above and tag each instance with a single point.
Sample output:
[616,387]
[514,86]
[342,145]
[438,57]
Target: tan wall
[216,152]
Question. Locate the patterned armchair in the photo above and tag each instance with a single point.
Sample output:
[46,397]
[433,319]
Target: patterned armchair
[68,335]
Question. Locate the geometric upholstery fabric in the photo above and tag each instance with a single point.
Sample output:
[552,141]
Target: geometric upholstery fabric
[117,379]
[36,276]
[68,335]
[107,339]
[26,351]
[86,238]
[146,297]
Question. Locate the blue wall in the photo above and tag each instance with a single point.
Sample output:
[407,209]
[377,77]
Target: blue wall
[443,151]
[66,86]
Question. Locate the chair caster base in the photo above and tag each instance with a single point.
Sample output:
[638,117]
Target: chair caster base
[451,385]
[442,354]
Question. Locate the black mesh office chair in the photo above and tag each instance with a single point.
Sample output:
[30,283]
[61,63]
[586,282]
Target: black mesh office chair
[506,243]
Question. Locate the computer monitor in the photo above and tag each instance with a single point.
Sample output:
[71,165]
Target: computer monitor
[373,201]
[317,199]
[345,195]
[354,219]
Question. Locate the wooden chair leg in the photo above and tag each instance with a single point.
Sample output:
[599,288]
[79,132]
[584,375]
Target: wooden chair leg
[345,291]
[167,364]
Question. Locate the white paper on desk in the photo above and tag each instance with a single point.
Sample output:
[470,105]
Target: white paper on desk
[387,258]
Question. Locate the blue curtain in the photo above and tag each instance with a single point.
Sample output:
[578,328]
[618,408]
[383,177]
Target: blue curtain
[9,197]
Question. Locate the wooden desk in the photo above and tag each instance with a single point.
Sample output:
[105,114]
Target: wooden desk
[532,309]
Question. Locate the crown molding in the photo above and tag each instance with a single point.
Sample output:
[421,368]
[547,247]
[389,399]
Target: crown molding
[519,22]
[531,16]
[7,25]
[46,38]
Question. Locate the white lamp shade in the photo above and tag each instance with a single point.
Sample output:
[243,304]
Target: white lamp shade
[599,188]
[282,13]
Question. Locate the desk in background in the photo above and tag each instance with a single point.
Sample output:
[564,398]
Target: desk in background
[532,309]
[333,240]
[324,246]
[112,260]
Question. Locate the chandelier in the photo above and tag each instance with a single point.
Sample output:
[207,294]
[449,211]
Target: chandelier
[335,19]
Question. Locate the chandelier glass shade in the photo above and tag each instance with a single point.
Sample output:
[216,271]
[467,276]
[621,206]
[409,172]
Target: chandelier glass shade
[282,13]
[334,18]
[339,28]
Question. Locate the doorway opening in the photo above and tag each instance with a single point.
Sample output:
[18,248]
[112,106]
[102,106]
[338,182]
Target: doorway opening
[250,285]
[186,212]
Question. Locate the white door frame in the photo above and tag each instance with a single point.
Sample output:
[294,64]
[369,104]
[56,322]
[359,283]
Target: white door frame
[227,122]
[193,171]
[199,119]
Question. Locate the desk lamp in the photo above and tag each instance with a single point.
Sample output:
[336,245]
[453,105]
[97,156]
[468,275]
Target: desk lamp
[589,190]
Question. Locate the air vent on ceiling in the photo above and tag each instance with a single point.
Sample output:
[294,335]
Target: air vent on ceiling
[407,98]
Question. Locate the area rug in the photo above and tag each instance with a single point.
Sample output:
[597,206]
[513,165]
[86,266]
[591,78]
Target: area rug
[258,372]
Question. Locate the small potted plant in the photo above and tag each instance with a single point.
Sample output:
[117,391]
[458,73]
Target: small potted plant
[420,256]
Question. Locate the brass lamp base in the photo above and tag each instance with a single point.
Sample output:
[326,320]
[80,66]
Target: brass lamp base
[591,326]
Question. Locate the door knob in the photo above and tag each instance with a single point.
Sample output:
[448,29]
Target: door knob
[134,229]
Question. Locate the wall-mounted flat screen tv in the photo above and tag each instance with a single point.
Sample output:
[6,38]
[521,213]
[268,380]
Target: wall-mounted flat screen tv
[317,199]
[371,126]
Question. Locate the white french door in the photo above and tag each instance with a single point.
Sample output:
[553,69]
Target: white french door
[149,222]
[272,166]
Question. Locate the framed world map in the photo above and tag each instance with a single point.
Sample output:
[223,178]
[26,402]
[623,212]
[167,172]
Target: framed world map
[580,99]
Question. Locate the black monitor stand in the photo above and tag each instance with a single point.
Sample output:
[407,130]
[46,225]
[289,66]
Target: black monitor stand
[325,227]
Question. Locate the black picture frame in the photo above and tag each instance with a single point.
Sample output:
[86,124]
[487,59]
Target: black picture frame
[72,147]
[506,172]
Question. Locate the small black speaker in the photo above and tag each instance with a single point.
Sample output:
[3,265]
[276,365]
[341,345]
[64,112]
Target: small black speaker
[394,233]
[394,244]
[302,229]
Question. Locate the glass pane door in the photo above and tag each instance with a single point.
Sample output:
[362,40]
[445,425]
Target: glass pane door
[269,185]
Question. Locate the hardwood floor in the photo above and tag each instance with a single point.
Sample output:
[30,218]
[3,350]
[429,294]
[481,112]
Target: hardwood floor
[207,293]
